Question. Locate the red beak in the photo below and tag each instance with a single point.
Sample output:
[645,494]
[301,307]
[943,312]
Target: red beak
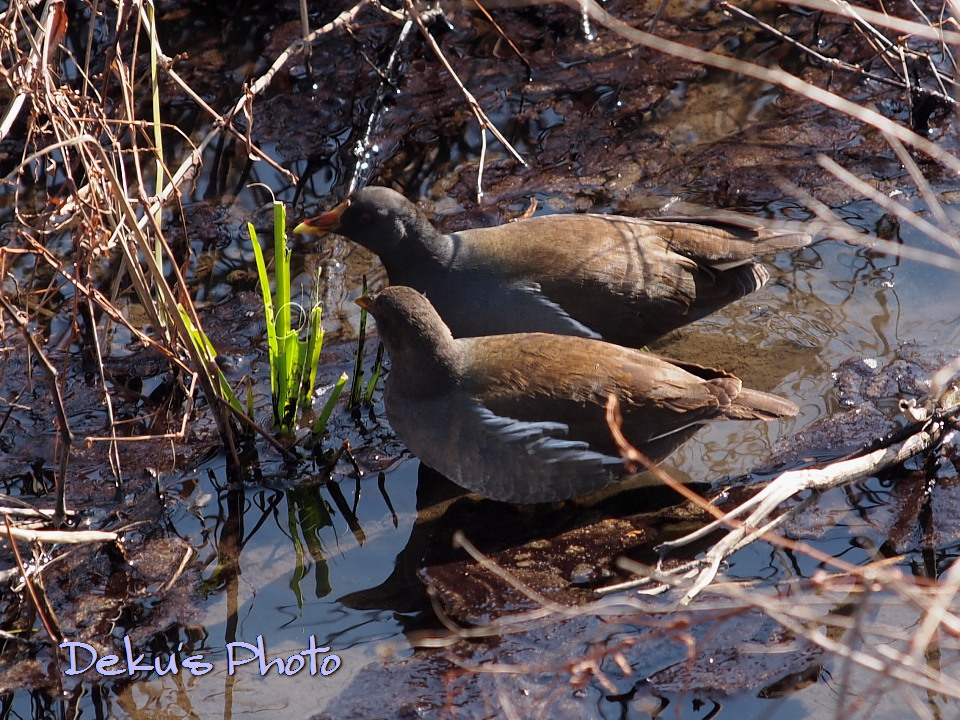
[328,222]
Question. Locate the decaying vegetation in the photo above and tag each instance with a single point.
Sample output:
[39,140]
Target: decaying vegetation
[87,256]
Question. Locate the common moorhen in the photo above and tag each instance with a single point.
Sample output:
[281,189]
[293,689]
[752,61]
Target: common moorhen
[625,280]
[521,418]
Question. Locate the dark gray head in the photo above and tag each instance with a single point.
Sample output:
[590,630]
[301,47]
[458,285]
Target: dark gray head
[380,219]
[424,356]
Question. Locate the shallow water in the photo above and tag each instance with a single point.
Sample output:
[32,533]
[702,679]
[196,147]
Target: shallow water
[285,558]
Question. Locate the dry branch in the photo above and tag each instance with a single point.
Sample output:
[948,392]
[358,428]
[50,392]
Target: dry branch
[762,507]
[482,119]
[776,76]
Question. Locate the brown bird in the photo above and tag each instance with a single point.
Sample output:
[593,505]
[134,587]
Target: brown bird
[621,279]
[521,418]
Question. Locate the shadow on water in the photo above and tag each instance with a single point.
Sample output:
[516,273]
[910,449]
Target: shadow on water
[311,557]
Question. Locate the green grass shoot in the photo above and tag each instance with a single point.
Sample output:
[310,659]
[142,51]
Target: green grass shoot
[293,361]
[321,424]
[374,376]
[355,389]
[358,396]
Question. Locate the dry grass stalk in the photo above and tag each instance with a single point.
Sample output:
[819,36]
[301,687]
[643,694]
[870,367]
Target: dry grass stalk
[484,121]
[92,161]
[844,614]
[95,146]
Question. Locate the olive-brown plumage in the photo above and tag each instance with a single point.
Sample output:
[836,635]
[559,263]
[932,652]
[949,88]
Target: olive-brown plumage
[621,279]
[521,417]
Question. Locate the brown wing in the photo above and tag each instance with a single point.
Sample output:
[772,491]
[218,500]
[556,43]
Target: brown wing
[628,279]
[545,378]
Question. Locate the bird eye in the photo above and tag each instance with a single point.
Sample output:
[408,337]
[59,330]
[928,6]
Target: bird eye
[366,218]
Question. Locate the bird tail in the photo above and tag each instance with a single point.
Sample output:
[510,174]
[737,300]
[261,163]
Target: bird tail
[724,245]
[737,402]
[757,243]
[735,282]
[748,278]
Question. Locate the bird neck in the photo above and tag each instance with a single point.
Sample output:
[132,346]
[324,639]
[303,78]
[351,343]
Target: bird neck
[421,246]
[428,362]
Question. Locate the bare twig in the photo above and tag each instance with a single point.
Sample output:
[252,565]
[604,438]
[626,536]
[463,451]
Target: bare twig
[62,537]
[485,122]
[831,62]
[892,207]
[883,19]
[773,75]
[830,224]
[946,237]
[787,485]
[63,425]
[636,460]
[40,604]
[489,17]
